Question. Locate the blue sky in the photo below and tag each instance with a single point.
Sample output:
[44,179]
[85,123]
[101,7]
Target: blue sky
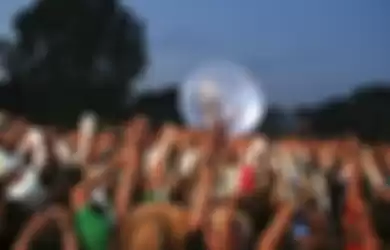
[302,50]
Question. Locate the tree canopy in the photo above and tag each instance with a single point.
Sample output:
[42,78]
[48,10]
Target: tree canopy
[74,55]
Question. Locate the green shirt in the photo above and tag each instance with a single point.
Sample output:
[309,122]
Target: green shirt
[92,228]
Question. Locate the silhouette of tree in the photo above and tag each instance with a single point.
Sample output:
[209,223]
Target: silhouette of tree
[364,113]
[160,107]
[370,114]
[73,55]
[5,97]
[274,122]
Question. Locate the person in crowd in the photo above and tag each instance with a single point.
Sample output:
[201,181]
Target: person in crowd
[79,189]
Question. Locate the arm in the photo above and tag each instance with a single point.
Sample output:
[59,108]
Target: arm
[157,170]
[39,151]
[370,239]
[352,206]
[34,142]
[25,145]
[86,132]
[201,192]
[63,219]
[204,188]
[352,189]
[320,188]
[375,178]
[201,199]
[270,239]
[370,169]
[37,222]
[362,226]
[284,173]
[365,227]
[62,152]
[127,182]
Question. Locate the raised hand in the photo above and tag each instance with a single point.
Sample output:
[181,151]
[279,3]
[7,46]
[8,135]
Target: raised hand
[129,160]
[87,127]
[370,168]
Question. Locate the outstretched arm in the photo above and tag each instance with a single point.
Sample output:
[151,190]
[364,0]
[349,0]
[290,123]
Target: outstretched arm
[40,220]
[271,238]
[63,220]
[37,222]
[127,182]
[358,224]
[86,133]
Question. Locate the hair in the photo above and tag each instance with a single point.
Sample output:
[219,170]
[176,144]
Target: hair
[195,241]
[152,233]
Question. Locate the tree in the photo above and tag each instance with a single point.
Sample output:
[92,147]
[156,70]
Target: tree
[73,55]
[364,113]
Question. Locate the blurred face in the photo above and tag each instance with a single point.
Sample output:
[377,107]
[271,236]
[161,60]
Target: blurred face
[137,130]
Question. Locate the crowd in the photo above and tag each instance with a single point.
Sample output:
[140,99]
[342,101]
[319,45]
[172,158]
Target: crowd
[130,187]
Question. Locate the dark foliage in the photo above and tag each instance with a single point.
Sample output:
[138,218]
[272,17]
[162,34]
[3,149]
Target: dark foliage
[160,106]
[74,55]
[365,113]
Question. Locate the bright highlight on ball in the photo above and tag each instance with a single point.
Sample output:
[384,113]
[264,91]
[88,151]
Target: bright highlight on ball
[226,91]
